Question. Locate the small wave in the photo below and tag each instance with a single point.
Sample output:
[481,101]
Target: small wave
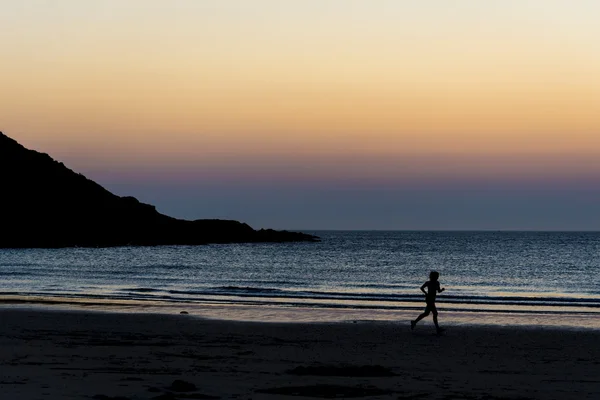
[13,273]
[140,290]
[341,297]
[276,282]
[230,290]
[250,289]
[521,299]
[269,295]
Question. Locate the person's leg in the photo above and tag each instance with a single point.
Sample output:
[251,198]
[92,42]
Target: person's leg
[420,317]
[435,319]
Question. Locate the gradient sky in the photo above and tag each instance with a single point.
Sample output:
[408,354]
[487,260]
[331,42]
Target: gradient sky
[318,114]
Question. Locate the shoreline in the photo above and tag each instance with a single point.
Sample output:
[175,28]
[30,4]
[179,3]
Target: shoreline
[58,354]
[274,313]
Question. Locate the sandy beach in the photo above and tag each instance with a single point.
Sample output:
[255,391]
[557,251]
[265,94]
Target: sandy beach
[92,355]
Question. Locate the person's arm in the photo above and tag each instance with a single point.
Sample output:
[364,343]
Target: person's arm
[438,288]
[423,288]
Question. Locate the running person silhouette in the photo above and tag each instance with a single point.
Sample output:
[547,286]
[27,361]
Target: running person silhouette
[433,288]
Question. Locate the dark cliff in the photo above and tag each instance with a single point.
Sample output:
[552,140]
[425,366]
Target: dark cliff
[45,204]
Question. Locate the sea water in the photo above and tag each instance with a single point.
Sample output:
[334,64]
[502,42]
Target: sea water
[549,274]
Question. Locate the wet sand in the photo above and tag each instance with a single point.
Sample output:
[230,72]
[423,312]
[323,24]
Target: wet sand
[91,355]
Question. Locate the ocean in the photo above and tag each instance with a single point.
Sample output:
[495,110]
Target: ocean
[544,276]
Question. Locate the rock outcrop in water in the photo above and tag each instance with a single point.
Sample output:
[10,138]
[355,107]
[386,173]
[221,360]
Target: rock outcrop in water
[45,204]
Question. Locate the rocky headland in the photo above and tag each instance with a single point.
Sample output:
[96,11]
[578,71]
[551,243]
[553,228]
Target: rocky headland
[45,204]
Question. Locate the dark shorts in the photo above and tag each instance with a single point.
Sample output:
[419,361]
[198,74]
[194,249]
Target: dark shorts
[431,307]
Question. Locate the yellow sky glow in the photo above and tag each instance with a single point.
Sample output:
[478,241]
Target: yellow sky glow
[200,81]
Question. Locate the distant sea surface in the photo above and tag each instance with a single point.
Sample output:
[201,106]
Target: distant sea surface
[537,273]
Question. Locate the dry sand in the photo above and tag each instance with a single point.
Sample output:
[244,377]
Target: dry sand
[91,355]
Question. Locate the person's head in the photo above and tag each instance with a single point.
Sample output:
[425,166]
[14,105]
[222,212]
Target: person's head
[434,276]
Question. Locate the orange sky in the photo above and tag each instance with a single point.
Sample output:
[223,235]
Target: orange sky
[372,88]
